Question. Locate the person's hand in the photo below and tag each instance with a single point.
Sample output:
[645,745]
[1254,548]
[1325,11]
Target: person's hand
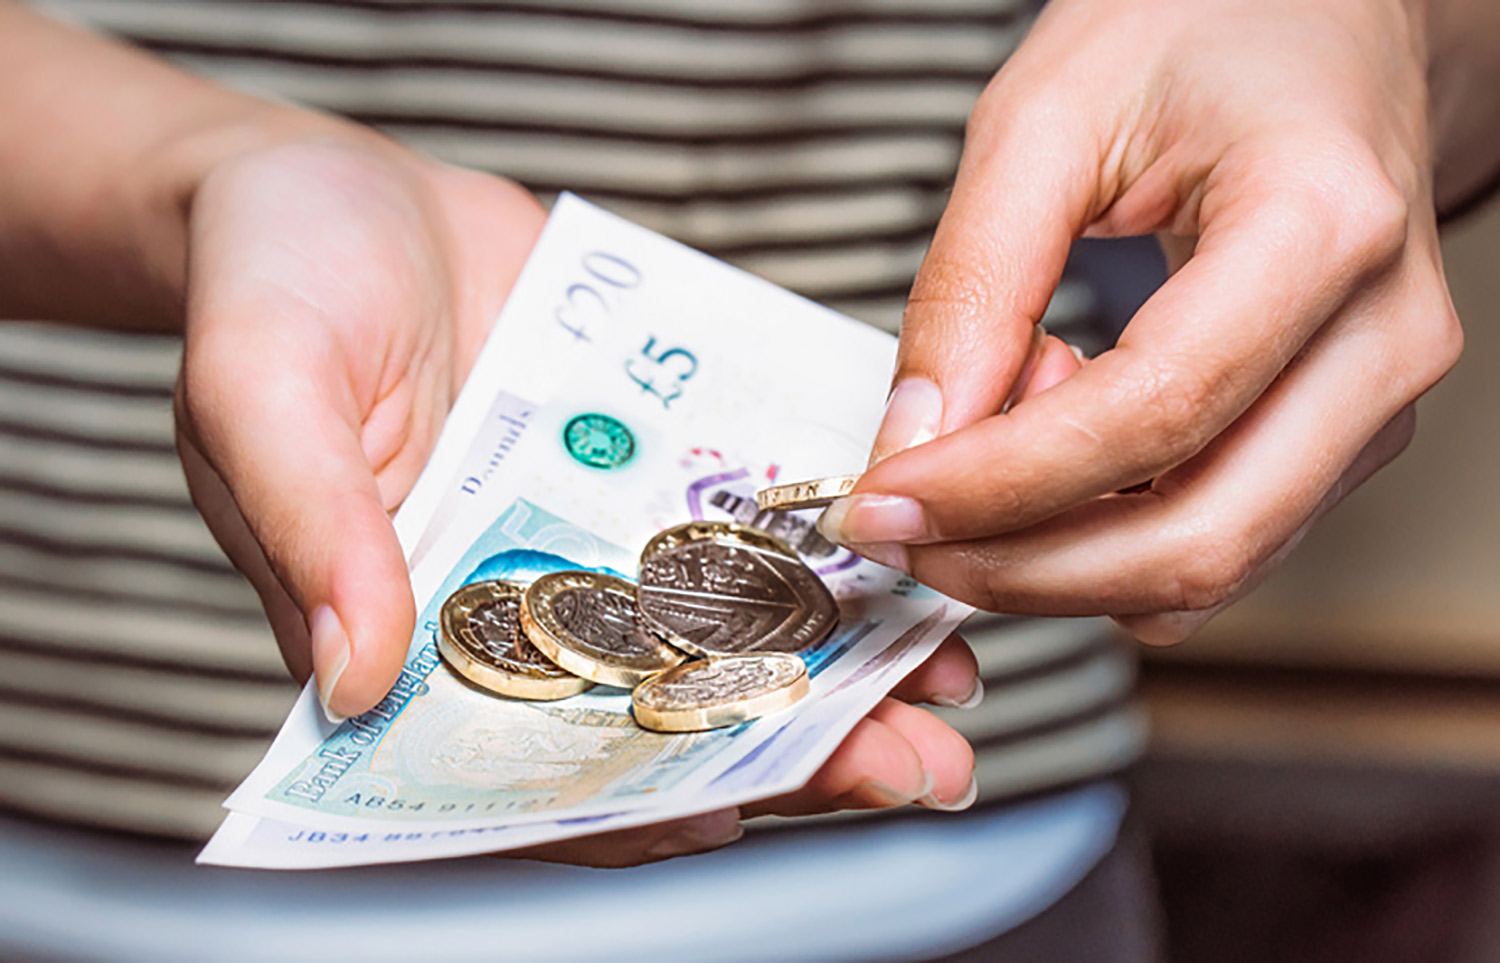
[897,755]
[339,290]
[1281,152]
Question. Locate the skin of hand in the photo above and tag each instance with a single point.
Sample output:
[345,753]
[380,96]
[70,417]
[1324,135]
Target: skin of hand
[333,289]
[1281,152]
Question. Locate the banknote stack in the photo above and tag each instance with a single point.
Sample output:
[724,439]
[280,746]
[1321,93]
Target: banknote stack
[632,393]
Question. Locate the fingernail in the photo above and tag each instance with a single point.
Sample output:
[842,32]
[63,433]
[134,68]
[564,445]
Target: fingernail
[913,415]
[1078,353]
[889,554]
[973,699]
[699,836]
[330,654]
[882,794]
[956,805]
[868,519]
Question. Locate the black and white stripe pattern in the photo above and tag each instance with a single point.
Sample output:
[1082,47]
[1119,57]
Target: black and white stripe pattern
[811,142]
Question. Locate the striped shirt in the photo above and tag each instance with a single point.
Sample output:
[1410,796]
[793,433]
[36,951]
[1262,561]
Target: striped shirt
[809,141]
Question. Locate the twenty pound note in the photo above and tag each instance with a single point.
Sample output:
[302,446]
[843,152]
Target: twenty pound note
[630,384]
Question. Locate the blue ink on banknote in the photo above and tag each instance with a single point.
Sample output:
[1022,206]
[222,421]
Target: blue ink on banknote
[845,637]
[434,749]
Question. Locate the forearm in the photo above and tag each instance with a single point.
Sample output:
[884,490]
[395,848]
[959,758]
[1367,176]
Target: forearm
[101,149]
[1465,90]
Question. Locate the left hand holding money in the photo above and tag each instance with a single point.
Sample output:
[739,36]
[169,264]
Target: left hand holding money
[339,289]
[338,293]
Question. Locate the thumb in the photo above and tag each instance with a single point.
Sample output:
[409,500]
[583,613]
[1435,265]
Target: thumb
[285,441]
[1024,191]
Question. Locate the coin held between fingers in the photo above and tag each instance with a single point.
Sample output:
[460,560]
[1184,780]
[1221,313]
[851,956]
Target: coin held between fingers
[816,493]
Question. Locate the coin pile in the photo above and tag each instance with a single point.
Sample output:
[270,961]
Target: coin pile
[707,637]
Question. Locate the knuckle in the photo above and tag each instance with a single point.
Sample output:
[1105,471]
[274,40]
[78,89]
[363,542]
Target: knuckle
[964,285]
[1364,213]
[1445,344]
[984,115]
[1207,574]
[1174,403]
[951,300]
[206,391]
[982,588]
[965,574]
[1432,339]
[1377,217]
[1018,106]
[198,387]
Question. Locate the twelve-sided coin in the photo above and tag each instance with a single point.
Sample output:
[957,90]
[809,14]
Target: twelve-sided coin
[817,493]
[589,624]
[480,636]
[709,693]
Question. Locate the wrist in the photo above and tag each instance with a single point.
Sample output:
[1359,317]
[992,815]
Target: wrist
[102,148]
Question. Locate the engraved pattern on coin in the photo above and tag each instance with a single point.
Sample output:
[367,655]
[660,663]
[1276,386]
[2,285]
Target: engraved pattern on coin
[726,599]
[720,691]
[589,623]
[494,628]
[607,624]
[481,638]
[730,533]
[717,681]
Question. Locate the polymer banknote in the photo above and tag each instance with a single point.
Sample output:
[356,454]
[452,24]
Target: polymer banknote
[630,384]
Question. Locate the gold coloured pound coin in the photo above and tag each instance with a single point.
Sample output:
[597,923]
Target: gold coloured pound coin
[589,624]
[818,493]
[719,692]
[480,637]
[725,589]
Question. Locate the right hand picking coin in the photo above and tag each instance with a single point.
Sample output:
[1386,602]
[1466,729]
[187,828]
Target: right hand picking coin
[1281,153]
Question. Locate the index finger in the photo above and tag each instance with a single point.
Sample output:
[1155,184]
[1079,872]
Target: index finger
[1024,190]
[1269,269]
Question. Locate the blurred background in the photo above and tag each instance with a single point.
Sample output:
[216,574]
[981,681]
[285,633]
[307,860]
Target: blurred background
[1324,770]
